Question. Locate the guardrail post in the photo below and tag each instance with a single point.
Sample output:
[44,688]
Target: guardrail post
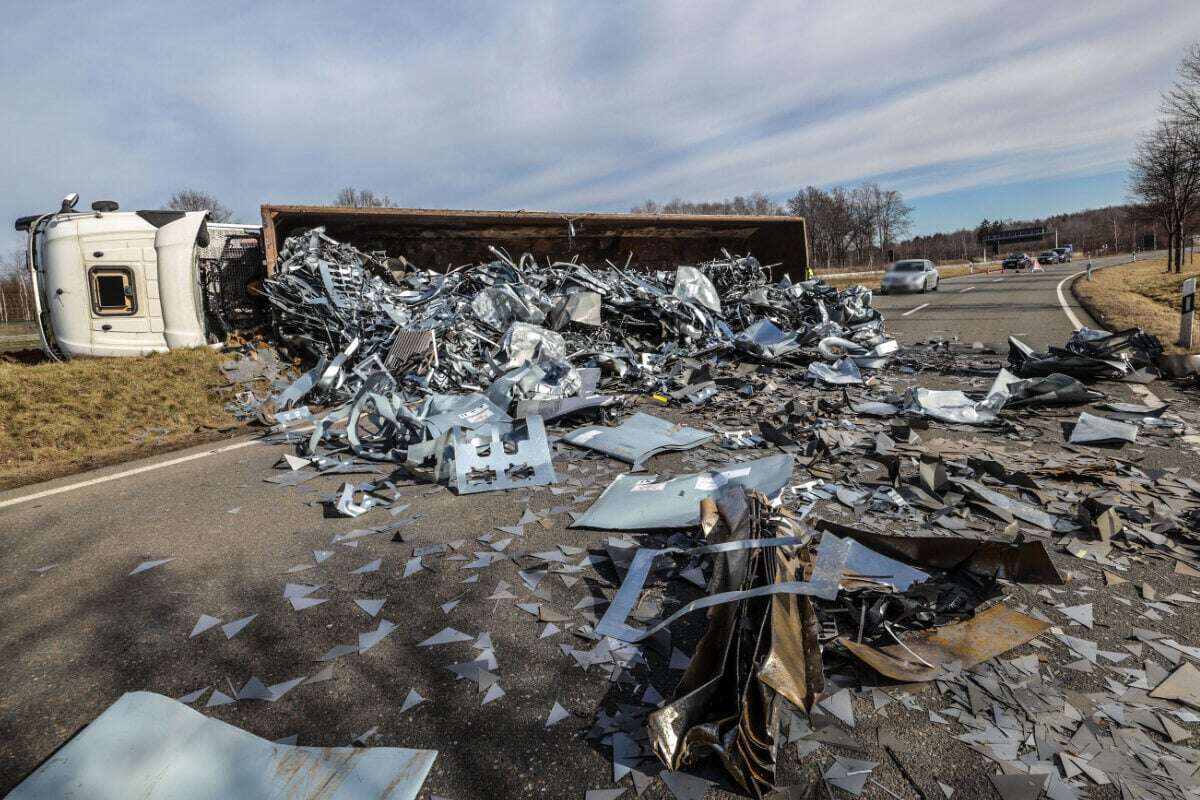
[1186,311]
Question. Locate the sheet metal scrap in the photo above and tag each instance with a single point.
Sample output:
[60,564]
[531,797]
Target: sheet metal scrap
[638,438]
[1089,355]
[329,296]
[754,654]
[502,455]
[148,746]
[1027,562]
[641,502]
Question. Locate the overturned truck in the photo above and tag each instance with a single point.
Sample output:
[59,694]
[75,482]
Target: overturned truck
[117,283]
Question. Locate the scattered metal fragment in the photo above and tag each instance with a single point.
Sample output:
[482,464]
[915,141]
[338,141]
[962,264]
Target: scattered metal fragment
[232,629]
[1090,429]
[204,623]
[146,565]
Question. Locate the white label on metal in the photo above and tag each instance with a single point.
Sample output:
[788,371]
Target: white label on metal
[648,486]
[476,414]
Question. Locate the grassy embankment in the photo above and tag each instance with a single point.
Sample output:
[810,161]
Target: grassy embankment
[56,419]
[1141,294]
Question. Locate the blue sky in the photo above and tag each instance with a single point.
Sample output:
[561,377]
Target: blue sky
[972,109]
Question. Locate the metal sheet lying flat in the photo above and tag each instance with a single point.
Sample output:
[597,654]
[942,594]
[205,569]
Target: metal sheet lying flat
[638,502]
[637,438]
[502,455]
[154,748]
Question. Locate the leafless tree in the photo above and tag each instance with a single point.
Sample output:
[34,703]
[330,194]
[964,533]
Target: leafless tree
[13,263]
[197,200]
[1182,102]
[349,197]
[755,203]
[1165,177]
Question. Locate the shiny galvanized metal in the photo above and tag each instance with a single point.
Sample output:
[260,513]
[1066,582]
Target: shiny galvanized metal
[439,239]
[154,748]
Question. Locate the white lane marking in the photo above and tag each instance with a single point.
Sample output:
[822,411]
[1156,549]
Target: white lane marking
[968,289]
[1062,301]
[126,473]
[915,310]
[997,280]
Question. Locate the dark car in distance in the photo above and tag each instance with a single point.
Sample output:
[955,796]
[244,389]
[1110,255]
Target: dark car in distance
[1017,261]
[1048,257]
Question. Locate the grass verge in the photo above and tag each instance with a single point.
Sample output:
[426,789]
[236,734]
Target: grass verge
[56,419]
[1141,294]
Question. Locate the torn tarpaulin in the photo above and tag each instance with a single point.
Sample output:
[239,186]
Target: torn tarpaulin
[641,502]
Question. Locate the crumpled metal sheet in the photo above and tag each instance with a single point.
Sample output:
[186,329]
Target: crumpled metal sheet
[1027,562]
[986,635]
[766,340]
[1090,429]
[842,372]
[953,406]
[692,285]
[640,502]
[1052,389]
[152,747]
[637,438]
[1029,364]
[753,655]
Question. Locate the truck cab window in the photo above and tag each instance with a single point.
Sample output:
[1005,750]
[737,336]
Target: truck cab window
[113,292]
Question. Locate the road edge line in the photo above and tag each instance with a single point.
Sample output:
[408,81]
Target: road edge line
[127,473]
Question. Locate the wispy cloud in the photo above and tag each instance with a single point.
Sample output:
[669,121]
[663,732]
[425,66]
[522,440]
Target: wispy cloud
[569,105]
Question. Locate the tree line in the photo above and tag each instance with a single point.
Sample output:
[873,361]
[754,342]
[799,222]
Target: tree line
[1165,171]
[846,225]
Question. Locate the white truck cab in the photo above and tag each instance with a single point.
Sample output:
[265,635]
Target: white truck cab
[121,283]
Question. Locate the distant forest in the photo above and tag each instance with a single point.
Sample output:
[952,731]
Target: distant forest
[862,226]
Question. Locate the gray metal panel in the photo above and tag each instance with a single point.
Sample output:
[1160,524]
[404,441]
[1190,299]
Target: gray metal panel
[637,502]
[154,748]
[637,438]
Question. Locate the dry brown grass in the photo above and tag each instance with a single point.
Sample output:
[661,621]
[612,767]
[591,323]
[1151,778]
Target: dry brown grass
[61,418]
[1141,294]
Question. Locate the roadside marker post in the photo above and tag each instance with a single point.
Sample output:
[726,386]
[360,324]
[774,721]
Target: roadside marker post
[1186,310]
[1089,269]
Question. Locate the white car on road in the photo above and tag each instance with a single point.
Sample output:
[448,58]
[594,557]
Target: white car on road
[910,275]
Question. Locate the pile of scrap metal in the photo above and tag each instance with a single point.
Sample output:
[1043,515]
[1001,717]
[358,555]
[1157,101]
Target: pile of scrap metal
[785,598]
[1091,355]
[425,368]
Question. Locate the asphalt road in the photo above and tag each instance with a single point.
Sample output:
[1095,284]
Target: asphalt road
[990,307]
[77,636]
